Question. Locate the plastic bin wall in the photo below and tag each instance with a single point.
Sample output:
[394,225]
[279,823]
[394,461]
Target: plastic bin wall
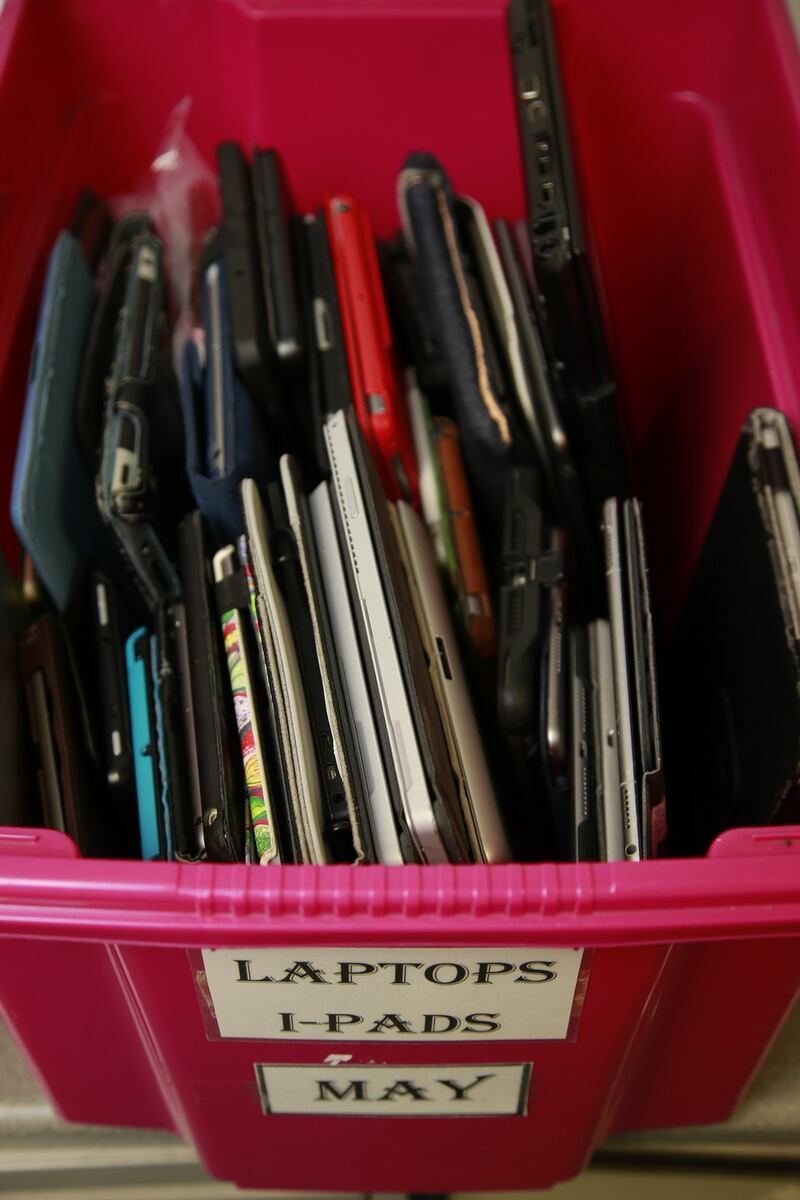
[690,168]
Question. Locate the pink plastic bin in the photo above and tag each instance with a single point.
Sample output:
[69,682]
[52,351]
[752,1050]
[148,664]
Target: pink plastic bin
[686,117]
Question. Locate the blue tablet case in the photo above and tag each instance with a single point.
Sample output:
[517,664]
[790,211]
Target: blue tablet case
[144,738]
[249,453]
[52,504]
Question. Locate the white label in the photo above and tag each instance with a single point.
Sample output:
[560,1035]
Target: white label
[381,995]
[477,1090]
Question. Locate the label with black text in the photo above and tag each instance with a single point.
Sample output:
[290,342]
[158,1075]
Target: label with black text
[369,994]
[481,1090]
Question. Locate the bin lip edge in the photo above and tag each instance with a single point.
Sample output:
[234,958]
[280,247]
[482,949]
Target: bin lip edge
[727,895]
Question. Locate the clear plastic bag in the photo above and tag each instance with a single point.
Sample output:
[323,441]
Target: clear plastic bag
[180,193]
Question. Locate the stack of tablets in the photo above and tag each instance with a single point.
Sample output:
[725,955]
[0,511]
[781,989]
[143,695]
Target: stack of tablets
[366,582]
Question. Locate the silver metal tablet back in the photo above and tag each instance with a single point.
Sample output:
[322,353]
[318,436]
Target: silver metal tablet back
[482,814]
[609,799]
[378,797]
[628,784]
[376,624]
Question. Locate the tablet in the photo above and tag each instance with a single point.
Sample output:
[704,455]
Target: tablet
[303,777]
[379,644]
[378,802]
[622,669]
[481,812]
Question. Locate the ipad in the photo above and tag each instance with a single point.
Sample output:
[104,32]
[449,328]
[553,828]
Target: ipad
[431,486]
[288,572]
[411,325]
[379,644]
[49,468]
[154,826]
[242,264]
[72,799]
[422,702]
[286,809]
[653,798]
[183,659]
[555,703]
[341,784]
[582,746]
[207,703]
[377,399]
[170,732]
[735,736]
[529,569]
[481,812]
[563,272]
[622,670]
[99,351]
[303,778]
[109,650]
[337,390]
[775,461]
[235,621]
[378,804]
[492,435]
[126,491]
[283,316]
[556,675]
[551,438]
[215,381]
[45,750]
[478,235]
[468,577]
[609,803]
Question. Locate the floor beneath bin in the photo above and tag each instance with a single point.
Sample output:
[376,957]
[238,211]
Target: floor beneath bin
[756,1154]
